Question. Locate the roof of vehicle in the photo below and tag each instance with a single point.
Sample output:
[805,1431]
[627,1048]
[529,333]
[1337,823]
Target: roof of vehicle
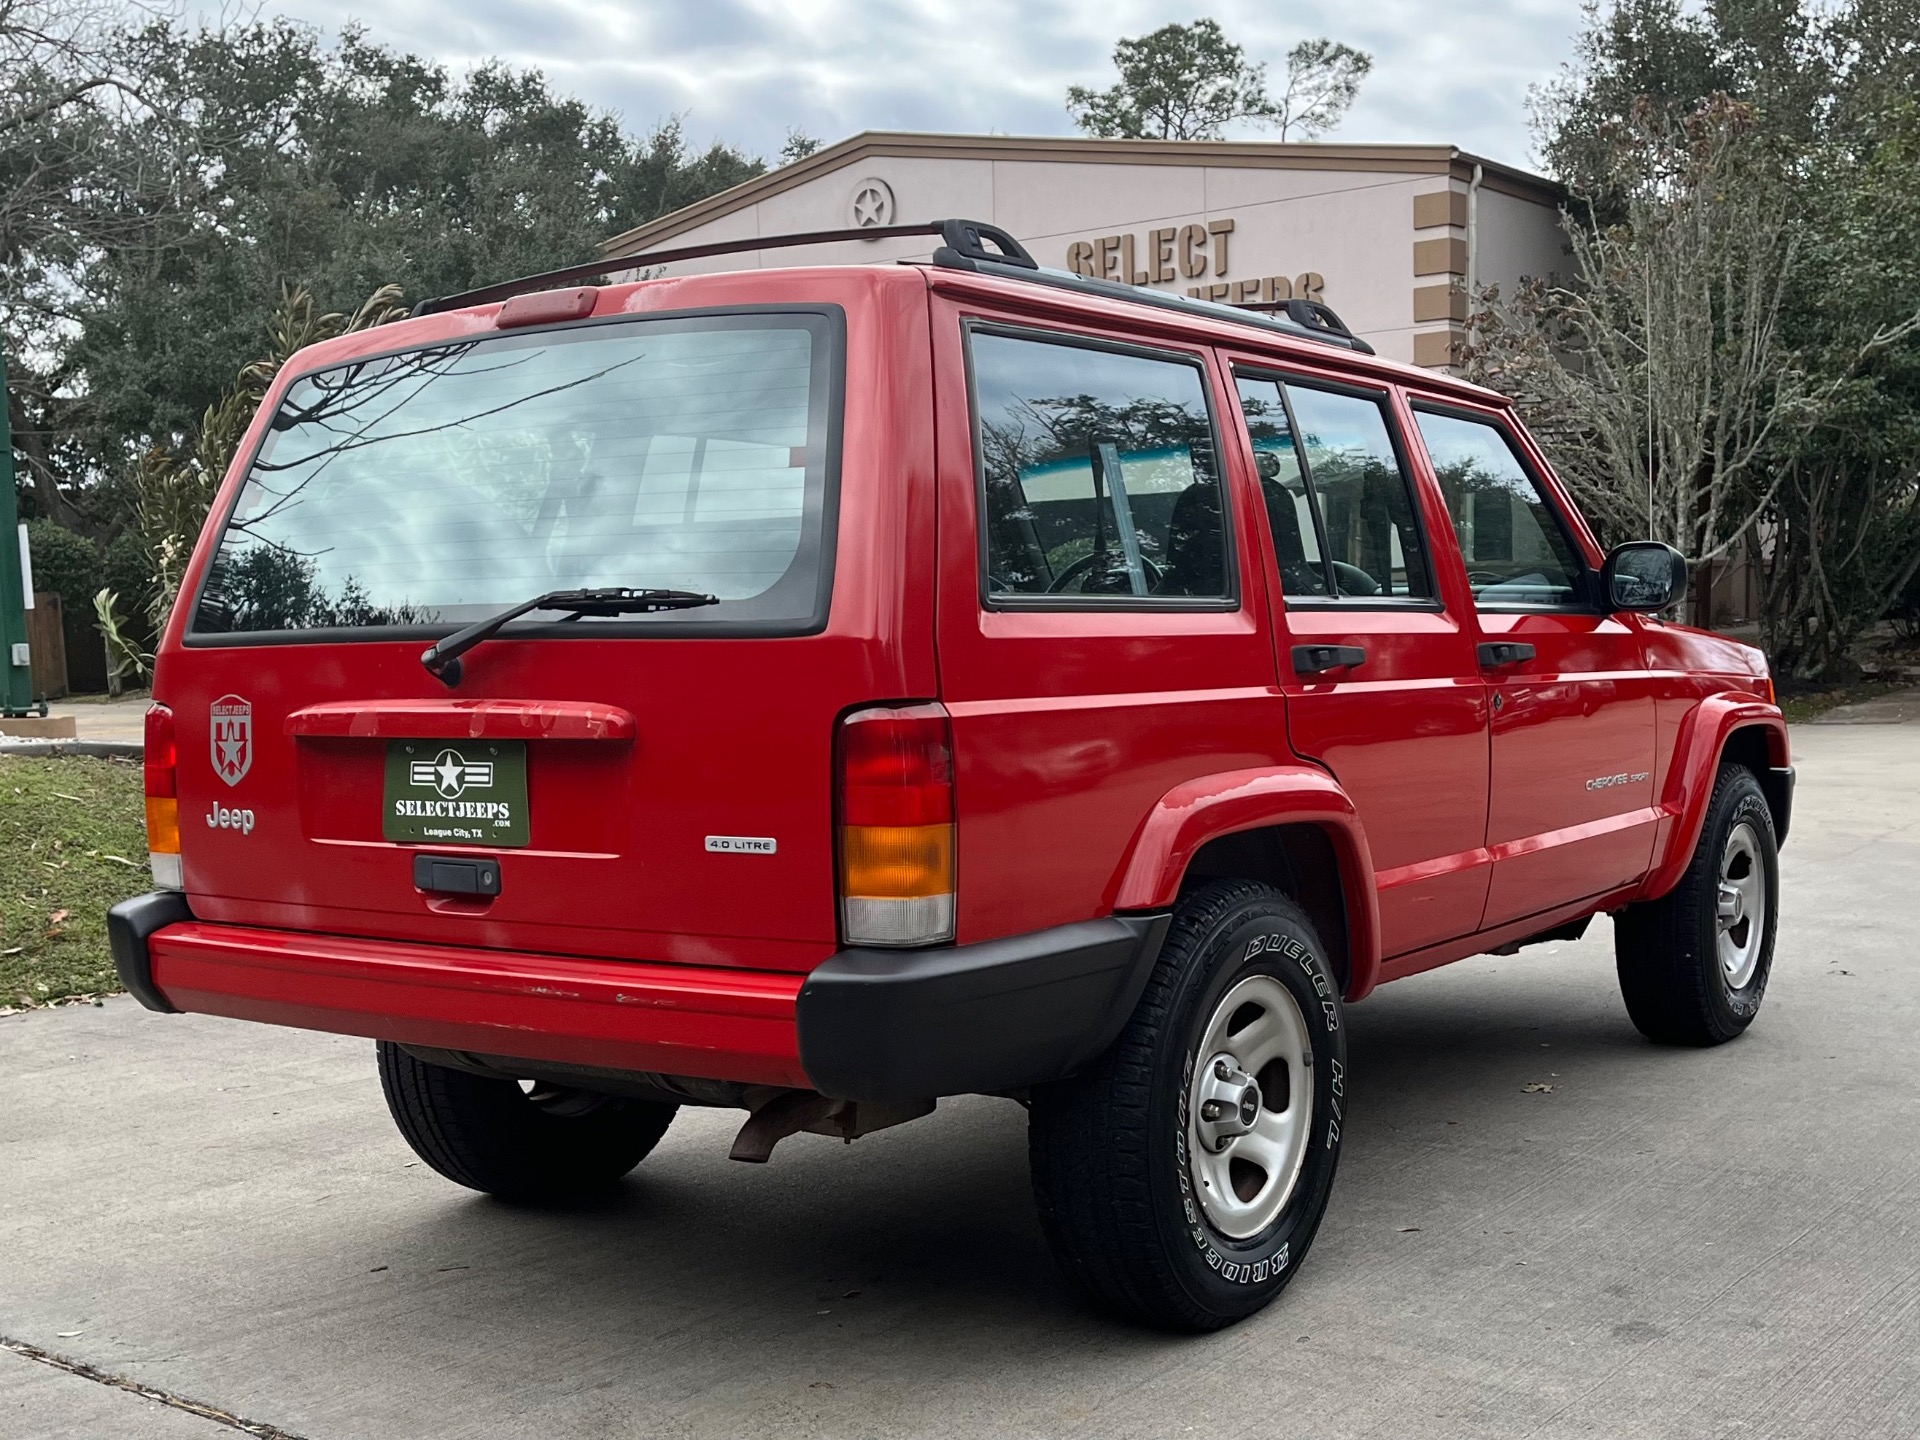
[969,247]
[1196,322]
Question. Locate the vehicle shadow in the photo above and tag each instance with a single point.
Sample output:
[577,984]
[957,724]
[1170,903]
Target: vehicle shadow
[923,1239]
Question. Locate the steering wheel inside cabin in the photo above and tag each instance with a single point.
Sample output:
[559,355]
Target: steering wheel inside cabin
[1085,563]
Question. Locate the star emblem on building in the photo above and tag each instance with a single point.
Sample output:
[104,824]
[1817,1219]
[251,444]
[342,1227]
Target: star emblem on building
[872,205]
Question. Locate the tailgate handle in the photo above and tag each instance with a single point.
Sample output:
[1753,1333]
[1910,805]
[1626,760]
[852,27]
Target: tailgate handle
[451,875]
[1496,653]
[1316,659]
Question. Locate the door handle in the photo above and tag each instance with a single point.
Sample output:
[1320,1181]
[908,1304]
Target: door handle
[1317,659]
[1496,653]
[448,875]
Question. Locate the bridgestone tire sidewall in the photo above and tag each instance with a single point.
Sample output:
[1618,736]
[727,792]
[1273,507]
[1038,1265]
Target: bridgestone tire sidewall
[1745,802]
[1222,1275]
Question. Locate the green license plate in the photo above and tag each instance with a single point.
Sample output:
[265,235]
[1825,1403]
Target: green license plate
[466,792]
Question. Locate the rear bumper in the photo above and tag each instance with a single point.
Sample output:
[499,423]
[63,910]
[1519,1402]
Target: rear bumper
[867,1024]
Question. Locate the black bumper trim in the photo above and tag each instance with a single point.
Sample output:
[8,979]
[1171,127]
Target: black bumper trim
[130,925]
[918,1024]
[1778,784]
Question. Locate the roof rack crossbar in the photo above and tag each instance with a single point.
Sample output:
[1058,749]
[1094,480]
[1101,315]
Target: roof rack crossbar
[962,248]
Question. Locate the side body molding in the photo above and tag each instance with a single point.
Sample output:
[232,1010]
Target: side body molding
[1696,762]
[1204,809]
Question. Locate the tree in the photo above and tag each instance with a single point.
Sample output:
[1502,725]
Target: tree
[78,178]
[1323,81]
[1734,357]
[277,157]
[1660,365]
[1189,82]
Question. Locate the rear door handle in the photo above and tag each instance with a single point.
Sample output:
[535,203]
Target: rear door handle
[1496,653]
[1317,659]
[456,875]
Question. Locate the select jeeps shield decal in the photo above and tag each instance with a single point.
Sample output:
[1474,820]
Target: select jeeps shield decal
[232,737]
[465,793]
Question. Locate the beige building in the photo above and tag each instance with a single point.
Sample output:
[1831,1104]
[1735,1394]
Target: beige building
[1393,237]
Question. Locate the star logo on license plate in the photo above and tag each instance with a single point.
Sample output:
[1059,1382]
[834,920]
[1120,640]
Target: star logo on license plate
[451,774]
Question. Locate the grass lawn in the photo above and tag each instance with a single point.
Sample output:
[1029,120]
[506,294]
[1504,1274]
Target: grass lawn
[72,842]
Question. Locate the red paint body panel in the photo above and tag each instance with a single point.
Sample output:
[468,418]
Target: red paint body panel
[1211,806]
[616,865]
[676,1020]
[1095,751]
[1703,736]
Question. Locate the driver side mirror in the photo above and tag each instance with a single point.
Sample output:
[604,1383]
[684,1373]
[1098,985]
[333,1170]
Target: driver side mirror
[1643,575]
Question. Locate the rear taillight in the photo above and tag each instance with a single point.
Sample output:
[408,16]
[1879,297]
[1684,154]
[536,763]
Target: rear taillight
[896,826]
[163,799]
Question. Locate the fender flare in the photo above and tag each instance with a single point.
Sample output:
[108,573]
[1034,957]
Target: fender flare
[1209,806]
[1696,764]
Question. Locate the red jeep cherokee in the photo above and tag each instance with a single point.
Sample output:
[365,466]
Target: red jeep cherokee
[845,687]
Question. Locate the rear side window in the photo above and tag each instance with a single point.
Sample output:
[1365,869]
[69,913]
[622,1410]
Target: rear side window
[1339,501]
[1515,549]
[440,485]
[1100,478]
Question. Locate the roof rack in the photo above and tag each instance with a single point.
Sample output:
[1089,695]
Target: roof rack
[962,248]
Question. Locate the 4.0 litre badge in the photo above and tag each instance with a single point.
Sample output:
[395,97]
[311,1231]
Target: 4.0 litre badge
[464,793]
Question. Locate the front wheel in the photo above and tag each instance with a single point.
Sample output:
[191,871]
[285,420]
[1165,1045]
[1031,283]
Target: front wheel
[514,1139]
[1180,1178]
[1694,963]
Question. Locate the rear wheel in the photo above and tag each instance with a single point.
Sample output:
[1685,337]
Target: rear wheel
[1694,964]
[1181,1177]
[518,1140]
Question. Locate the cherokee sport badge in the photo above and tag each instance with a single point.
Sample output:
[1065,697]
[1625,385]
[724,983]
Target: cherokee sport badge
[232,737]
[464,793]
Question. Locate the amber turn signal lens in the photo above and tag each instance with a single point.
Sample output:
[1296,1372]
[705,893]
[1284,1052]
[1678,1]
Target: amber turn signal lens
[163,824]
[896,862]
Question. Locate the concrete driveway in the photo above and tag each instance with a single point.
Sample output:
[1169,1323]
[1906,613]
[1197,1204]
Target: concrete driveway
[1665,1244]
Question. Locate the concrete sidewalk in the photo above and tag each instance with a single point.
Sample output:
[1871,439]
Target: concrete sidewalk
[123,719]
[1666,1244]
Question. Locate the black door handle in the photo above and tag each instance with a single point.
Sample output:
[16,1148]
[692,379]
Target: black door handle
[1316,659]
[1495,653]
[447,875]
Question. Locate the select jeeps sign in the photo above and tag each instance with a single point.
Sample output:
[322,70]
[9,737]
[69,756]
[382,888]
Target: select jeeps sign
[456,793]
[231,733]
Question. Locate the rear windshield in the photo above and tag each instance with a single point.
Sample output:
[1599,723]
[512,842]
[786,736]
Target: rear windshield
[435,487]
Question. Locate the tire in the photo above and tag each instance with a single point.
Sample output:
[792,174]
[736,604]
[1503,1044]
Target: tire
[1689,975]
[493,1136]
[1124,1169]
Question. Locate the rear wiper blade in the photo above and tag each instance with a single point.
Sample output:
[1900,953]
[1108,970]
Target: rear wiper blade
[442,658]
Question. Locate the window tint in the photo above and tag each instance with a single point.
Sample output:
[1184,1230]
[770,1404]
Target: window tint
[1515,549]
[439,485]
[1339,506]
[1100,474]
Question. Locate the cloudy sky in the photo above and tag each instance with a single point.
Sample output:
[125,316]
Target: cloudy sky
[746,70]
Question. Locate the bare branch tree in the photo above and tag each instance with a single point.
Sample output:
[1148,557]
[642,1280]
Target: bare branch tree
[1658,370]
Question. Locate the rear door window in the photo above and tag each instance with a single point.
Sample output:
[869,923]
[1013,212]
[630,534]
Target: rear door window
[439,485]
[1099,476]
[1340,503]
[1517,551]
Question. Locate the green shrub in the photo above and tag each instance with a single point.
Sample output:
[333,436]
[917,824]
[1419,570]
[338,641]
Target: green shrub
[66,563]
